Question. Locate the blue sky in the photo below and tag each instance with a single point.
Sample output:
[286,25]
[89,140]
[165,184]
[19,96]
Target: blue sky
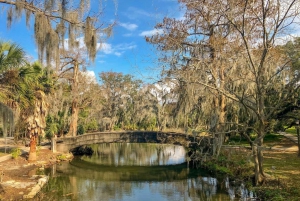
[126,51]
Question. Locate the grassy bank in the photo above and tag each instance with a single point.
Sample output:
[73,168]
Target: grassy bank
[283,168]
[281,164]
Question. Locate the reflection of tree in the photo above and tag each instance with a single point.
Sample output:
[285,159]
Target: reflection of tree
[200,188]
[127,183]
[136,154]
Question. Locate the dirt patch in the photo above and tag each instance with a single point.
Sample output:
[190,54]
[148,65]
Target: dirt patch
[18,175]
[284,145]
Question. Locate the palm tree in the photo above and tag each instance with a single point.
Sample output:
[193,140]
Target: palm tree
[11,57]
[23,87]
[34,78]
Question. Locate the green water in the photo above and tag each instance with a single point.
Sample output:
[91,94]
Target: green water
[131,172]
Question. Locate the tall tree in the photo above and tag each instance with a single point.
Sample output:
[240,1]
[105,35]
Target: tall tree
[38,85]
[118,91]
[12,57]
[54,21]
[231,48]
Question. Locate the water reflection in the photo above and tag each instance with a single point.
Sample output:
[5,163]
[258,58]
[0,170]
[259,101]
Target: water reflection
[241,190]
[132,172]
[136,154]
[71,182]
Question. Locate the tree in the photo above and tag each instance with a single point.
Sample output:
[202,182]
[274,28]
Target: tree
[160,96]
[230,46]
[54,20]
[38,85]
[199,48]
[11,58]
[118,91]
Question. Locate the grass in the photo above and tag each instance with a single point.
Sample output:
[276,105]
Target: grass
[291,130]
[269,138]
[283,167]
[281,164]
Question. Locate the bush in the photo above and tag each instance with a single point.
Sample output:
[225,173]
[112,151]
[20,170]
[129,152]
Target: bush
[92,126]
[231,162]
[80,130]
[15,153]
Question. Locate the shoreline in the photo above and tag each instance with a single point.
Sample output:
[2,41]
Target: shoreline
[19,179]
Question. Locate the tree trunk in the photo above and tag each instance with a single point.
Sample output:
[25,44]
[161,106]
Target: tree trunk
[257,154]
[36,123]
[74,119]
[298,138]
[32,151]
[220,126]
[75,108]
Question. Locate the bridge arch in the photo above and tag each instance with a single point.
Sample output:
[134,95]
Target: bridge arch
[66,144]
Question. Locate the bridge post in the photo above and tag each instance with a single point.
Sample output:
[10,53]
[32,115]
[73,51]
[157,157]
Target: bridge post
[53,144]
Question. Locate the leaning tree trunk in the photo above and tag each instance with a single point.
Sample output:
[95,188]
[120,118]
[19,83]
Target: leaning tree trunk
[36,123]
[258,155]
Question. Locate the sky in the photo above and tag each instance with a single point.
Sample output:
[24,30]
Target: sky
[126,51]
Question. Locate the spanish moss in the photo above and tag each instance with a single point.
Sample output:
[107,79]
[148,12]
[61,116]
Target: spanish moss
[7,120]
[9,17]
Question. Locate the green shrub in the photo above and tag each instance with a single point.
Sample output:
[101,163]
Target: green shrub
[80,130]
[15,153]
[92,126]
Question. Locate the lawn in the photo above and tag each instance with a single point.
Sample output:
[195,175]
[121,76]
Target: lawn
[282,164]
[291,130]
[284,171]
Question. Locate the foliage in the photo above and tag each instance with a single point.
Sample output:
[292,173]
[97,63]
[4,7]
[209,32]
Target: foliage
[51,128]
[121,101]
[232,162]
[246,78]
[16,153]
[91,126]
[80,130]
[147,123]
[240,139]
[291,130]
[53,20]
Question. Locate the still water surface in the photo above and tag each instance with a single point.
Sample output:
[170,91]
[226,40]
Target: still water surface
[132,172]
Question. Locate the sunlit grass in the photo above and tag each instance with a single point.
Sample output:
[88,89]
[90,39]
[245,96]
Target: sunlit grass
[269,139]
[284,167]
[291,130]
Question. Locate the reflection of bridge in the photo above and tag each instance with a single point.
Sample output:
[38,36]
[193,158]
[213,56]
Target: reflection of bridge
[68,143]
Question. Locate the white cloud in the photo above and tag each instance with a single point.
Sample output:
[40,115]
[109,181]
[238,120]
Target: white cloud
[127,35]
[134,13]
[117,50]
[151,32]
[118,54]
[106,48]
[90,75]
[129,26]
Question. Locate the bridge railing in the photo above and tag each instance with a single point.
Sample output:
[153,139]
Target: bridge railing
[66,144]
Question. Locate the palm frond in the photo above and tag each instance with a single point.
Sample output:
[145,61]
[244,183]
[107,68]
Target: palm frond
[11,56]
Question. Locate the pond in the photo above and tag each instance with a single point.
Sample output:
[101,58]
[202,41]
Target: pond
[129,172]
